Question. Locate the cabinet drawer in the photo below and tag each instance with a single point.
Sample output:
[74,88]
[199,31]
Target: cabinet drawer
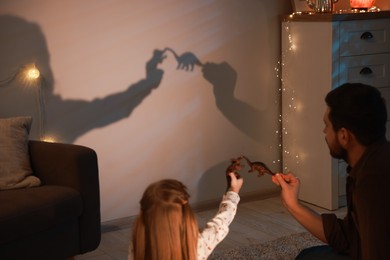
[369,69]
[364,37]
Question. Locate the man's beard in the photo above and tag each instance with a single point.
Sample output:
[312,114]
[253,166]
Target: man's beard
[337,152]
[340,154]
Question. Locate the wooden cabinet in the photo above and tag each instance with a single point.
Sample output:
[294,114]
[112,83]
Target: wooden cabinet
[320,52]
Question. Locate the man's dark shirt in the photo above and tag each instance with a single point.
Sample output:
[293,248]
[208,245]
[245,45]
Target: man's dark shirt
[365,231]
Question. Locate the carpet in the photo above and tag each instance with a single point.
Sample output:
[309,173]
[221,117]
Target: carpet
[284,248]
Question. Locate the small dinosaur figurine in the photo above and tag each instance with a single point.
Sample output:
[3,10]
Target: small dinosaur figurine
[260,167]
[235,166]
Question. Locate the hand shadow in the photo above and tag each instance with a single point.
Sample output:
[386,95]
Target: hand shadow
[65,119]
[224,79]
[101,112]
[245,117]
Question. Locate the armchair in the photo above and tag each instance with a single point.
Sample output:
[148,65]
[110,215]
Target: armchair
[60,218]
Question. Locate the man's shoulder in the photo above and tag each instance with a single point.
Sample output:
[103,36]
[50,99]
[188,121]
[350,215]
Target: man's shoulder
[379,158]
[384,147]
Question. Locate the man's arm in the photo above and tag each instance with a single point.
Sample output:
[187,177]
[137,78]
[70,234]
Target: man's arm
[308,218]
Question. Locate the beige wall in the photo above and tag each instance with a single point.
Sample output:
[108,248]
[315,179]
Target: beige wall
[149,120]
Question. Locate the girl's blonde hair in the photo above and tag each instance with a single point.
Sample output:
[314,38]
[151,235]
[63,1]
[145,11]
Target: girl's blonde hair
[166,227]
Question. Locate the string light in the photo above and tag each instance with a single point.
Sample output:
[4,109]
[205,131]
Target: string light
[293,105]
[32,73]
[284,91]
[30,76]
[49,139]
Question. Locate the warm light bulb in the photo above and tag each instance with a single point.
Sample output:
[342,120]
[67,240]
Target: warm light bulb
[362,4]
[49,139]
[32,73]
[30,76]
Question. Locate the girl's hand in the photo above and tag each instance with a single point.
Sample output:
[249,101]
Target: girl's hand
[235,184]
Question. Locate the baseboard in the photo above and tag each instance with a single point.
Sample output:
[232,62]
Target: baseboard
[117,224]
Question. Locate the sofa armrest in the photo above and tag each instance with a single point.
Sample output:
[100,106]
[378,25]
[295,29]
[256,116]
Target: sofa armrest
[73,166]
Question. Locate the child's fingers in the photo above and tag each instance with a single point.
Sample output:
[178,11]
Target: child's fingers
[234,175]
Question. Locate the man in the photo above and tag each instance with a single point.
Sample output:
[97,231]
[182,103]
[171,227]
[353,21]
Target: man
[355,127]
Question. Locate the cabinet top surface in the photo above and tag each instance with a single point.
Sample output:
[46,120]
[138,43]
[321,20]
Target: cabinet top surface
[331,17]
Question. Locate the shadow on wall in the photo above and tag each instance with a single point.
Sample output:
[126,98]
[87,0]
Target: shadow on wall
[244,116]
[213,182]
[24,43]
[223,78]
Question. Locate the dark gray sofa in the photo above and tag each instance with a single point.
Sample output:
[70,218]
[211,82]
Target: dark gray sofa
[60,218]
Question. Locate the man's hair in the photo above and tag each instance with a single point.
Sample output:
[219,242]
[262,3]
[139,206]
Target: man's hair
[166,227]
[359,108]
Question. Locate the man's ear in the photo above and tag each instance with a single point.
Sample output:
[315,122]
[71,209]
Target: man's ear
[344,137]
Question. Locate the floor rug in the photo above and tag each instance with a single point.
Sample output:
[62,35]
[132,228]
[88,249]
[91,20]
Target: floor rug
[284,248]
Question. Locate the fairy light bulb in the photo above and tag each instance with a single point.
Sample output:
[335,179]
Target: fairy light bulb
[32,73]
[49,139]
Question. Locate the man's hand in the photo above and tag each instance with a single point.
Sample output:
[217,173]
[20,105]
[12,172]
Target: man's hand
[289,184]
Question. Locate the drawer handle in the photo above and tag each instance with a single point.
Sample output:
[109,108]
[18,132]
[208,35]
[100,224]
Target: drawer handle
[366,71]
[366,35]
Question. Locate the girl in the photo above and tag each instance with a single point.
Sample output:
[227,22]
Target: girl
[166,227]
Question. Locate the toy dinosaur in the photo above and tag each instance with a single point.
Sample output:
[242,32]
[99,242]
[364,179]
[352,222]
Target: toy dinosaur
[260,167]
[235,166]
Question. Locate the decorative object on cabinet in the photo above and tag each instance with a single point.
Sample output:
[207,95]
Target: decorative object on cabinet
[320,52]
[361,4]
[300,6]
[321,6]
